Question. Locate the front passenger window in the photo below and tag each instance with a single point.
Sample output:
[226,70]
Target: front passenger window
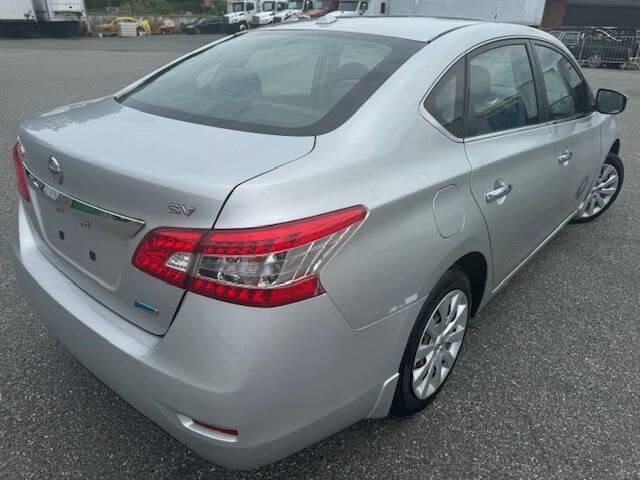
[502,93]
[566,91]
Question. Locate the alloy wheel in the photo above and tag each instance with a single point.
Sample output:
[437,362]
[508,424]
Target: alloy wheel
[440,344]
[603,192]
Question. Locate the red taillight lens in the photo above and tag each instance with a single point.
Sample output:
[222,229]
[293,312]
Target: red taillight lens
[166,253]
[285,236]
[257,297]
[261,267]
[21,179]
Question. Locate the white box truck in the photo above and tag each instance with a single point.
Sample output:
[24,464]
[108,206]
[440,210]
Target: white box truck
[525,12]
[61,17]
[17,11]
[17,17]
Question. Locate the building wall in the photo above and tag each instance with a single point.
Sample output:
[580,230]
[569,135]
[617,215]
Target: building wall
[554,13]
[606,16]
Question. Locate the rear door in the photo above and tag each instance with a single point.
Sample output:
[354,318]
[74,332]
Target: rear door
[512,152]
[574,123]
[210,25]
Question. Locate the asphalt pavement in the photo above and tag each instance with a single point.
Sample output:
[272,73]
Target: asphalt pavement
[548,384]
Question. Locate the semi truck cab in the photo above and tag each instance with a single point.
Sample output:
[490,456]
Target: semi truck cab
[352,8]
[292,13]
[269,9]
[239,15]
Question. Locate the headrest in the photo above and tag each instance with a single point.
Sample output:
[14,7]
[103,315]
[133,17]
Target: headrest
[236,82]
[480,81]
[351,71]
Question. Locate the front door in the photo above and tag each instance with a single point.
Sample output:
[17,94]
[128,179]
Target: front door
[575,125]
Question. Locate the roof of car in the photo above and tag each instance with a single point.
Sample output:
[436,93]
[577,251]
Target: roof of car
[421,29]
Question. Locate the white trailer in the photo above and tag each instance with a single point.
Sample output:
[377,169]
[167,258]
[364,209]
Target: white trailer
[17,17]
[17,11]
[60,10]
[525,12]
[53,17]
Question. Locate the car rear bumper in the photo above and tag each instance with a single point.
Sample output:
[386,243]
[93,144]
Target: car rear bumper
[283,378]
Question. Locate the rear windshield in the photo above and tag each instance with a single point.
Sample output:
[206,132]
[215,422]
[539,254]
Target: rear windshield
[277,82]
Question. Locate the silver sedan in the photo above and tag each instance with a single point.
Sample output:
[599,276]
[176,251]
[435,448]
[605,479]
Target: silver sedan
[287,231]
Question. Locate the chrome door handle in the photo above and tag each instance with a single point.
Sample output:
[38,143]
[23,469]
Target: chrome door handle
[565,157]
[502,190]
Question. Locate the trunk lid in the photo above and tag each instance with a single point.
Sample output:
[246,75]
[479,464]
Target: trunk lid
[120,169]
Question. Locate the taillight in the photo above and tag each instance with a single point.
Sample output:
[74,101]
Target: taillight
[261,267]
[166,253]
[21,179]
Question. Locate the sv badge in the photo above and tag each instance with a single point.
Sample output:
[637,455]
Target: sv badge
[178,209]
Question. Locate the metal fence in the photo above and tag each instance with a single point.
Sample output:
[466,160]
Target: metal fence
[598,48]
[622,51]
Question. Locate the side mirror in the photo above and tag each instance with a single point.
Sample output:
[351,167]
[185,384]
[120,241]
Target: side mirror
[610,102]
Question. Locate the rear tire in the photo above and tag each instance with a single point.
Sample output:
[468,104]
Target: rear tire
[606,190]
[439,331]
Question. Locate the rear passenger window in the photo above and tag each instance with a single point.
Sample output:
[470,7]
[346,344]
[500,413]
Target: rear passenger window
[566,90]
[502,93]
[445,103]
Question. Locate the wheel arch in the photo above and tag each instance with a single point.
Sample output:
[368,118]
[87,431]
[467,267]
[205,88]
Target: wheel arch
[475,266]
[615,148]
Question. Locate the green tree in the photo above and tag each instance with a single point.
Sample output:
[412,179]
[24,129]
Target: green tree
[157,6]
[137,5]
[218,7]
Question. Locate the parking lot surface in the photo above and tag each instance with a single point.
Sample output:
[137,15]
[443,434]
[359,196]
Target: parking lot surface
[548,385]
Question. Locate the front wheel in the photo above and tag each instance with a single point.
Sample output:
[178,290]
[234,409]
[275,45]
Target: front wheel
[605,190]
[434,344]
[243,27]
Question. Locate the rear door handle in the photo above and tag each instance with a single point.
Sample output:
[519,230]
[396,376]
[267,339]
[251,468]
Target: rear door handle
[502,190]
[565,157]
